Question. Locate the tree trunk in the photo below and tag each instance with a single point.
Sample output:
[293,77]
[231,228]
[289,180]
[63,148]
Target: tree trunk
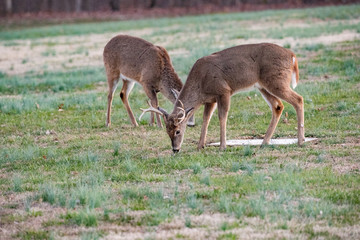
[78,5]
[8,6]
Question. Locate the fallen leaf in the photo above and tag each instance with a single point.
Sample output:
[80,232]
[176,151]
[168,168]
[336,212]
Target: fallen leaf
[61,107]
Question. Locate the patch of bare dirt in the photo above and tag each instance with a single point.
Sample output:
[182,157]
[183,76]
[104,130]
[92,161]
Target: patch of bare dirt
[56,53]
[325,39]
[15,219]
[205,226]
[349,232]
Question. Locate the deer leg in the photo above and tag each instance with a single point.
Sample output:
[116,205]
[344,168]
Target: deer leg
[112,83]
[208,111]
[124,95]
[154,102]
[297,101]
[276,107]
[223,109]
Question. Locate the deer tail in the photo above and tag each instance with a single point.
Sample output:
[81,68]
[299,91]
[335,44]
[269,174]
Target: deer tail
[295,72]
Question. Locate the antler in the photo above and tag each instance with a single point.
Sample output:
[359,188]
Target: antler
[182,118]
[182,105]
[150,109]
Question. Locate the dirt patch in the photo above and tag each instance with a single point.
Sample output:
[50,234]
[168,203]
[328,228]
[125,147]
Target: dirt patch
[56,53]
[326,39]
[205,226]
[350,232]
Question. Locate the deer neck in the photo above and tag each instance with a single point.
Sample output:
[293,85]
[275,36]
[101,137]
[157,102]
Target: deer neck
[170,80]
[188,98]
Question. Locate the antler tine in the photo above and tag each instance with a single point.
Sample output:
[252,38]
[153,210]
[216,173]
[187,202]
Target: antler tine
[150,109]
[182,105]
[180,119]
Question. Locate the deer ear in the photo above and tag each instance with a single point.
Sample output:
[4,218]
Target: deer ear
[165,114]
[175,92]
[189,112]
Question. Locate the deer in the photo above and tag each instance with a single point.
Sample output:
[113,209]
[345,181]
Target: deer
[135,60]
[215,78]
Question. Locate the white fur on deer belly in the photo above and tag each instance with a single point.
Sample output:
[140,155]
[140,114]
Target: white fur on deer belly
[130,84]
[127,78]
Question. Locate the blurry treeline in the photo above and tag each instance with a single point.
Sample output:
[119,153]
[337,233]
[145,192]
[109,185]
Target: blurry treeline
[70,6]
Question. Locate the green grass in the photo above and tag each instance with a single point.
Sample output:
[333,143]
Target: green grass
[67,167]
[53,82]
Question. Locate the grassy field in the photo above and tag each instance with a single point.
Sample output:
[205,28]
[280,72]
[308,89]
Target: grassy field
[63,174]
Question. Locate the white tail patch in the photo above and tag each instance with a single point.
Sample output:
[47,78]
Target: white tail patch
[293,80]
[293,77]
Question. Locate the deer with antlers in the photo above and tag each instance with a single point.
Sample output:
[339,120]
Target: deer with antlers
[214,79]
[135,60]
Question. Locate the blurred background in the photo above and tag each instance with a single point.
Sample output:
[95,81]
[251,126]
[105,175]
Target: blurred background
[144,8]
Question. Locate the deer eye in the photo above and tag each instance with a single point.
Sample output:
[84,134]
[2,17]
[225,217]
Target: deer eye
[177,132]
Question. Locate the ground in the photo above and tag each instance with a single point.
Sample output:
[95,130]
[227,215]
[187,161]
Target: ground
[64,175]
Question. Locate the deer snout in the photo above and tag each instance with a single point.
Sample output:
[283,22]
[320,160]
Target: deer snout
[176,150]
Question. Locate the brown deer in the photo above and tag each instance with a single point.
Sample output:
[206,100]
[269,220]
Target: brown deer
[213,79]
[135,60]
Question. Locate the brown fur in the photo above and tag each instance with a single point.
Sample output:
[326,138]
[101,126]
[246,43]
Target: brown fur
[145,63]
[215,78]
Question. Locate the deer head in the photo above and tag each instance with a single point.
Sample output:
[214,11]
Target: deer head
[175,123]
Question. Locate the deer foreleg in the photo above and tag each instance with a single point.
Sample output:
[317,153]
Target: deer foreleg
[208,111]
[223,109]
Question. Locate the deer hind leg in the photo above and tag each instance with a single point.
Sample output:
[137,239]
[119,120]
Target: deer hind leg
[113,80]
[124,95]
[208,111]
[276,107]
[288,95]
[151,93]
[223,109]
